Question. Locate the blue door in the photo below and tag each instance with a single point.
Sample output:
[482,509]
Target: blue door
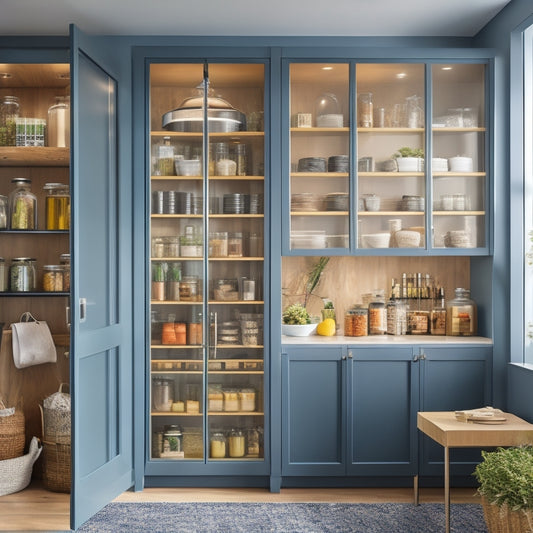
[101,366]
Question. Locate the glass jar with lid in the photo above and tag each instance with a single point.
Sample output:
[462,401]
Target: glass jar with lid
[22,206]
[9,112]
[64,261]
[217,445]
[236,443]
[172,441]
[235,244]
[396,317]
[437,322]
[57,206]
[377,315]
[3,275]
[163,157]
[52,278]
[461,314]
[4,208]
[58,127]
[21,275]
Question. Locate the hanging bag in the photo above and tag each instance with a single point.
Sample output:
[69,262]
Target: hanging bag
[32,342]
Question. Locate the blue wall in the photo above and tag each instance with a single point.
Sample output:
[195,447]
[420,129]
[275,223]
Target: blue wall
[503,34]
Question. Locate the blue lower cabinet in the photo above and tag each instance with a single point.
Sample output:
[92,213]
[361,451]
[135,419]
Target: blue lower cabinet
[313,419]
[383,397]
[453,378]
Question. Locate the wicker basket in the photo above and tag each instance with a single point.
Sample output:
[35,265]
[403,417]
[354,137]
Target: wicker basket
[56,466]
[15,474]
[12,434]
[501,519]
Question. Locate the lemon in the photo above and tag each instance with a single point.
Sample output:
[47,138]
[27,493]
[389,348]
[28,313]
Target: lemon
[326,327]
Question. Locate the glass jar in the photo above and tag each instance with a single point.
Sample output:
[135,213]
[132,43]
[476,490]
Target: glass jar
[218,244]
[57,206]
[162,394]
[3,275]
[377,315]
[396,317]
[356,321]
[418,322]
[22,206]
[189,289]
[236,443]
[461,314]
[58,127]
[64,261]
[171,247]
[252,443]
[235,244]
[21,275]
[9,112]
[172,441]
[365,110]
[158,247]
[217,445]
[4,208]
[437,320]
[173,279]
[164,158]
[52,278]
[158,281]
[241,159]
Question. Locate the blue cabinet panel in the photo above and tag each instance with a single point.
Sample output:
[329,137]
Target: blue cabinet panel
[312,420]
[383,404]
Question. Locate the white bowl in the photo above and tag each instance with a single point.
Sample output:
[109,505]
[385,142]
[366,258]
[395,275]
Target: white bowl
[461,164]
[375,240]
[407,239]
[298,330]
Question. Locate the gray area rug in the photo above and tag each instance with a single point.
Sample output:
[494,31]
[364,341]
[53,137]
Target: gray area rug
[283,518]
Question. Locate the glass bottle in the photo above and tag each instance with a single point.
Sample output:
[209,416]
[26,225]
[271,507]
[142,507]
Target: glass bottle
[22,206]
[437,322]
[461,314]
[58,127]
[377,315]
[21,275]
[164,158]
[9,112]
[365,110]
[57,206]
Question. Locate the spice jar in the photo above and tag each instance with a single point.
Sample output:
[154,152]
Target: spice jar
[217,445]
[21,275]
[235,244]
[57,206]
[461,314]
[22,206]
[58,127]
[377,315]
[9,112]
[164,158]
[52,278]
[189,289]
[236,443]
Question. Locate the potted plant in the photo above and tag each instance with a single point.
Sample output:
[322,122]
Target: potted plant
[297,321]
[505,479]
[409,159]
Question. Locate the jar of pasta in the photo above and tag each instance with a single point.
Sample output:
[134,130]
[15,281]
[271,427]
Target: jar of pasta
[236,443]
[217,445]
[52,278]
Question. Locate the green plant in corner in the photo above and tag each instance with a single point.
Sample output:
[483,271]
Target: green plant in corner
[314,277]
[406,151]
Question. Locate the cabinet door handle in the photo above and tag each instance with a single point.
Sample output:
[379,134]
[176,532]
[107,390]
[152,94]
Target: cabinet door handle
[344,358]
[422,356]
[350,354]
[83,309]
[415,359]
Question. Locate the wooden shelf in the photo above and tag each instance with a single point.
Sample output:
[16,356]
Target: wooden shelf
[392,174]
[211,178]
[458,213]
[243,215]
[315,130]
[390,130]
[236,258]
[389,213]
[39,232]
[459,174]
[212,135]
[443,129]
[236,302]
[174,302]
[176,216]
[320,175]
[177,258]
[319,213]
[46,294]
[34,156]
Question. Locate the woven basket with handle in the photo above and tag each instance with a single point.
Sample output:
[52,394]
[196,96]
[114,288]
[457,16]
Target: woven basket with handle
[12,434]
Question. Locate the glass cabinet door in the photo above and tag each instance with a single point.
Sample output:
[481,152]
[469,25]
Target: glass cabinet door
[207,261]
[390,155]
[319,156]
[458,164]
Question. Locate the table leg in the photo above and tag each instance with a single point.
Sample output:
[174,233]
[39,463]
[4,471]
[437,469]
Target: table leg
[447,487]
[415,488]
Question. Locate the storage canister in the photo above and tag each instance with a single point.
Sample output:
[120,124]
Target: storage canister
[64,261]
[22,206]
[52,278]
[217,445]
[57,206]
[172,442]
[396,317]
[58,131]
[377,316]
[21,275]
[9,112]
[461,314]
[418,322]
[236,443]
[162,394]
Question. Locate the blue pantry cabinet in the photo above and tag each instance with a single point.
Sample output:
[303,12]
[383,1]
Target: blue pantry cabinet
[351,410]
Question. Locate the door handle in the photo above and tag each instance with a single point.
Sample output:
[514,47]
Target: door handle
[83,309]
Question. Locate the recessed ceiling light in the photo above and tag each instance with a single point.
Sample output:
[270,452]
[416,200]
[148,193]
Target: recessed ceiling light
[447,68]
[5,75]
[327,68]
[401,75]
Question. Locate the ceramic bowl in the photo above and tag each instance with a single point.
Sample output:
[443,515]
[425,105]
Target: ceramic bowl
[375,240]
[297,330]
[188,167]
[407,239]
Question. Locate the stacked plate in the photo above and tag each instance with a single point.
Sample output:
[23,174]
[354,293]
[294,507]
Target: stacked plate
[312,164]
[439,164]
[337,201]
[304,201]
[338,163]
[308,239]
[253,203]
[461,164]
[412,203]
[234,204]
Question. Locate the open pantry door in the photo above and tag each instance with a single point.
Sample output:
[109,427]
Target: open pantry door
[102,361]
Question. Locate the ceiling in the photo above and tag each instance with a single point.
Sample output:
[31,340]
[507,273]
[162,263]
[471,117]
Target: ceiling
[453,18]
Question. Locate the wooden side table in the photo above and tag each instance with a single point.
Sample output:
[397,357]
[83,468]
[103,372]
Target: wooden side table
[449,432]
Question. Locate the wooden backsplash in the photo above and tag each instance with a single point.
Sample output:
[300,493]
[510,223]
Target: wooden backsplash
[345,279]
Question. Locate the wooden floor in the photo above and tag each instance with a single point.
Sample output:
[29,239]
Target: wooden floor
[36,509]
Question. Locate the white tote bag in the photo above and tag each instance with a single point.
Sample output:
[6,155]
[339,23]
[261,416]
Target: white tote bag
[32,342]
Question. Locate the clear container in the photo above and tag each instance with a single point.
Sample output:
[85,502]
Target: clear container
[217,446]
[57,206]
[64,261]
[9,112]
[356,321]
[22,206]
[396,317]
[163,157]
[162,394]
[3,275]
[172,442]
[365,110]
[241,159]
[235,244]
[377,316]
[247,399]
[52,278]
[158,247]
[173,279]
[236,443]
[21,275]
[218,244]
[30,131]
[418,322]
[461,314]
[58,130]
[4,209]
[189,289]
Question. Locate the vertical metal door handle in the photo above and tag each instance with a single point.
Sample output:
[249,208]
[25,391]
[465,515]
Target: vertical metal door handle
[83,309]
